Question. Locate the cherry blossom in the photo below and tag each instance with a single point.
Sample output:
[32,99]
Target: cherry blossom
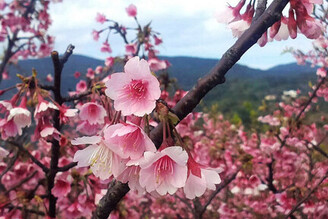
[199,179]
[164,171]
[106,47]
[136,90]
[131,10]
[93,113]
[128,140]
[101,18]
[81,86]
[102,161]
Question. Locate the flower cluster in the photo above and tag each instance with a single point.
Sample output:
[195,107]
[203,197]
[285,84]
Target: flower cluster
[298,20]
[147,40]
[24,25]
[124,151]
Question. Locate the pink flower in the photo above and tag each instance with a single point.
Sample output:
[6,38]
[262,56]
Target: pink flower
[49,78]
[65,113]
[136,90]
[263,40]
[99,69]
[109,62]
[164,171]
[93,113]
[62,186]
[199,179]
[95,35]
[128,140]
[5,75]
[131,175]
[101,18]
[81,86]
[2,4]
[239,27]
[155,64]
[102,161]
[106,47]
[44,108]
[292,25]
[77,74]
[230,13]
[90,73]
[158,40]
[131,10]
[18,118]
[86,128]
[131,48]
[20,115]
[322,72]
[50,132]
[281,32]
[271,120]
[8,129]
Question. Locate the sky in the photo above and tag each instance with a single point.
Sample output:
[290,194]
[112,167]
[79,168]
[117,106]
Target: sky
[187,27]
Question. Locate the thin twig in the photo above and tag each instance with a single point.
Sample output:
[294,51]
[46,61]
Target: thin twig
[76,96]
[306,197]
[21,182]
[10,165]
[67,167]
[32,211]
[225,183]
[34,159]
[314,94]
[184,201]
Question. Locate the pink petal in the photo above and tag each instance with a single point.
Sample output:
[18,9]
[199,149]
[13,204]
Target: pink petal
[195,187]
[83,156]
[86,140]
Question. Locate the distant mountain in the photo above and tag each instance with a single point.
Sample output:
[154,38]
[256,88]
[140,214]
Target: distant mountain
[242,84]
[44,67]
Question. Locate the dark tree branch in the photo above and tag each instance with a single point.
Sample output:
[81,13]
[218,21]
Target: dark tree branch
[306,197]
[76,97]
[260,8]
[67,167]
[317,147]
[113,195]
[55,148]
[58,67]
[270,177]
[216,76]
[322,152]
[47,87]
[119,30]
[314,94]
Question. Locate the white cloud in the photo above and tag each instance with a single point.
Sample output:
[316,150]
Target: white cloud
[188,28]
